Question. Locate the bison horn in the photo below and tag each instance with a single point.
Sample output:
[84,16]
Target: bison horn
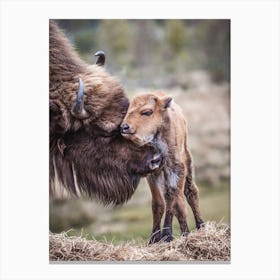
[101,58]
[78,110]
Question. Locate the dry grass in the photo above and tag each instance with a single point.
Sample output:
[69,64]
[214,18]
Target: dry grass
[212,243]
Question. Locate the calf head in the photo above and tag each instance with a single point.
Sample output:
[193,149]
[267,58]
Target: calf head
[145,117]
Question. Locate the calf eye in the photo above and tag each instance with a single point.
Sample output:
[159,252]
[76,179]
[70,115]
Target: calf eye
[146,113]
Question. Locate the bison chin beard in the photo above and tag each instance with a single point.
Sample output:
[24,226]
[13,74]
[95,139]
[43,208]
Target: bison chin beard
[108,168]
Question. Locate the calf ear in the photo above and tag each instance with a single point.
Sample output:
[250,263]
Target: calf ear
[167,102]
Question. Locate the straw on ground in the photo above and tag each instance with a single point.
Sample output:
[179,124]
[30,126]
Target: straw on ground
[212,243]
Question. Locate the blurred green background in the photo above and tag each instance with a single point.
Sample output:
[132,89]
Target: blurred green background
[188,59]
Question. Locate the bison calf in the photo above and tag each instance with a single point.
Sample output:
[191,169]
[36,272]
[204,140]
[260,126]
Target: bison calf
[154,120]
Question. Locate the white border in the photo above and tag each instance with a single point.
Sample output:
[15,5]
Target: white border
[254,129]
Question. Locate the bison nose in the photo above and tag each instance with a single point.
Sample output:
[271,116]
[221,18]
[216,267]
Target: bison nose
[124,128]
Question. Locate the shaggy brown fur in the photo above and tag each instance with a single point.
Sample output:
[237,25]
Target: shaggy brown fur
[89,156]
[152,119]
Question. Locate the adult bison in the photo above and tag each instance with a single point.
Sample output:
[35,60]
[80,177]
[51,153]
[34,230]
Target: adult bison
[87,105]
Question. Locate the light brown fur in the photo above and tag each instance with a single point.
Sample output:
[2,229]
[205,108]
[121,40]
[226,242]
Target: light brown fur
[154,119]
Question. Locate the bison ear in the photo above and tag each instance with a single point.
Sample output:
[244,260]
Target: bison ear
[167,101]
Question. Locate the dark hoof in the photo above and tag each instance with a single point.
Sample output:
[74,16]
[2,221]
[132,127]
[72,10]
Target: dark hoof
[155,238]
[185,234]
[167,238]
[200,225]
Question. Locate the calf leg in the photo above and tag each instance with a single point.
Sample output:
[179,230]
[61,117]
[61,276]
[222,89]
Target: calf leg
[192,195]
[191,192]
[158,205]
[179,210]
[175,183]
[167,225]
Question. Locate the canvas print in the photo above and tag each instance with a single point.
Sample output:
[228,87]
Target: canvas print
[139,140]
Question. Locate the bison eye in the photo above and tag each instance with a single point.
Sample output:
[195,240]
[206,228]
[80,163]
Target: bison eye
[147,113]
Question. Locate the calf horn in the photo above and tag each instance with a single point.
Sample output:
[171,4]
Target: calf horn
[101,58]
[78,110]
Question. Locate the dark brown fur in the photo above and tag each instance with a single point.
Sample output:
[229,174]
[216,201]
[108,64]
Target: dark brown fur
[89,156]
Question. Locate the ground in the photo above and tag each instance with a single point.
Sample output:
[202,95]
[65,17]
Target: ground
[212,243]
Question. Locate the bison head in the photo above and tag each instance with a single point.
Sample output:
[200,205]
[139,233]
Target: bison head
[87,105]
